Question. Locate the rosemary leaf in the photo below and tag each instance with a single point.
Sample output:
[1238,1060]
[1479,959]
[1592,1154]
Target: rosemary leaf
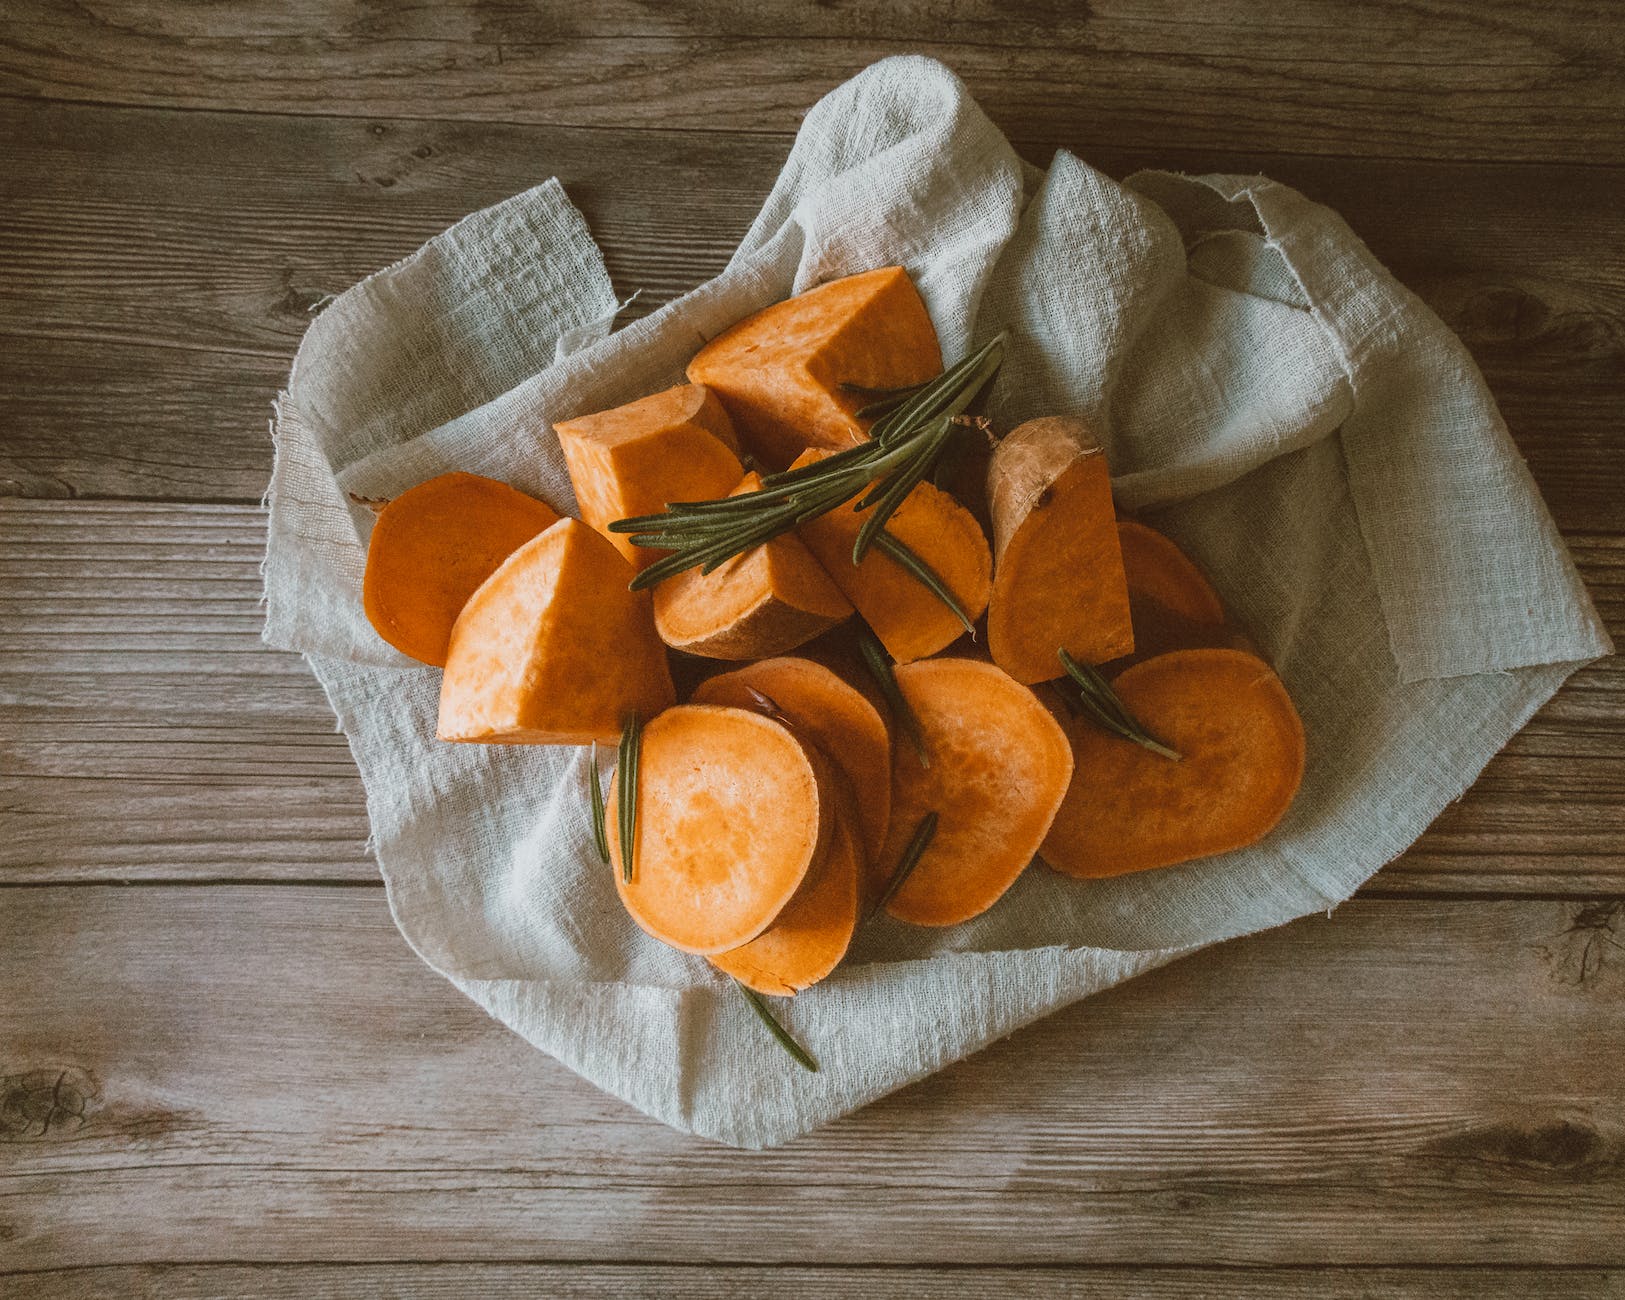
[897,487]
[889,544]
[626,788]
[595,797]
[918,843]
[799,1054]
[1103,708]
[879,664]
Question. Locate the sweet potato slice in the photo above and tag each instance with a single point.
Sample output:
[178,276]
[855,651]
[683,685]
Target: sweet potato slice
[432,546]
[907,616]
[1173,605]
[734,812]
[1242,743]
[780,372]
[762,602]
[1057,572]
[553,649]
[1000,766]
[812,934]
[678,445]
[835,716]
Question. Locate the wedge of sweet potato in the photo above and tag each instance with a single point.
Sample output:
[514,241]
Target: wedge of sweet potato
[763,602]
[432,547]
[781,372]
[999,769]
[1057,571]
[910,620]
[553,649]
[734,814]
[1242,748]
[676,445]
[835,716]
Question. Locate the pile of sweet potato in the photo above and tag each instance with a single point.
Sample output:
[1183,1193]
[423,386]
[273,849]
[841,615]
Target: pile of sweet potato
[773,799]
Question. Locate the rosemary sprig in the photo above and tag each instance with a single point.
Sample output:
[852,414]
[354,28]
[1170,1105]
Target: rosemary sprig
[879,664]
[626,788]
[595,798]
[1105,710]
[918,843]
[890,544]
[885,399]
[798,1053]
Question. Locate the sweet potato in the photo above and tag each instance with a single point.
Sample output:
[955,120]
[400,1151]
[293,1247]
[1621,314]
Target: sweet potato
[809,938]
[780,372]
[1173,605]
[1057,572]
[763,602]
[1242,748]
[677,445]
[835,716]
[553,649]
[734,813]
[1000,766]
[432,546]
[910,620]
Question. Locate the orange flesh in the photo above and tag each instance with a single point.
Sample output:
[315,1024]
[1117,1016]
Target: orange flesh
[909,620]
[1242,743]
[732,816]
[780,371]
[432,547]
[1157,569]
[1000,766]
[678,445]
[553,648]
[835,716]
[812,934]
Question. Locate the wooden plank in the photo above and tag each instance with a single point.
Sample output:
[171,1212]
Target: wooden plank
[1430,79]
[252,1073]
[149,735]
[116,289]
[746,1282]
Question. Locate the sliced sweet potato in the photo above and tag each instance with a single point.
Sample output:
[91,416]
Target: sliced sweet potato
[734,813]
[780,372]
[835,716]
[1057,572]
[1000,766]
[907,616]
[1242,747]
[763,602]
[808,939]
[1173,605]
[553,649]
[678,445]
[432,546]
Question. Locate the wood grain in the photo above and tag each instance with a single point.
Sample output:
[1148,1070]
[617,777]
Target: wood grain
[1396,78]
[218,233]
[238,1073]
[147,734]
[745,1282]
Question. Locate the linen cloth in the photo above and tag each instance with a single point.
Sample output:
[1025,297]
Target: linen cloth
[1269,396]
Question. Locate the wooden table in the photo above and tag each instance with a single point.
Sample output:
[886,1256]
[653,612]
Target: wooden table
[224,1072]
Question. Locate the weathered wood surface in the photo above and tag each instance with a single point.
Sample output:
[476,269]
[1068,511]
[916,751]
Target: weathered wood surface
[257,1073]
[149,735]
[1424,78]
[752,1282]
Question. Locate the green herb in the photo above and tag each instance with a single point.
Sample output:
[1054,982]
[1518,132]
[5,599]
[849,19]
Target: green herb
[917,845]
[798,1053]
[1102,707]
[903,446]
[879,664]
[886,399]
[923,573]
[627,791]
[595,797]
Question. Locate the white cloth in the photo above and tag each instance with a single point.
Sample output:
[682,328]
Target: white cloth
[1271,397]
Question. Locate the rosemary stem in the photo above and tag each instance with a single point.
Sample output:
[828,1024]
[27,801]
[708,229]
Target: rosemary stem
[798,1053]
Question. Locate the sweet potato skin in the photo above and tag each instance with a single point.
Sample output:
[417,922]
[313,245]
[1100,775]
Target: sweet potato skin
[1243,751]
[553,648]
[1000,767]
[1058,577]
[432,547]
[780,371]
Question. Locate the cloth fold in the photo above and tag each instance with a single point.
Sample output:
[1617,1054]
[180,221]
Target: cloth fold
[1269,396]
